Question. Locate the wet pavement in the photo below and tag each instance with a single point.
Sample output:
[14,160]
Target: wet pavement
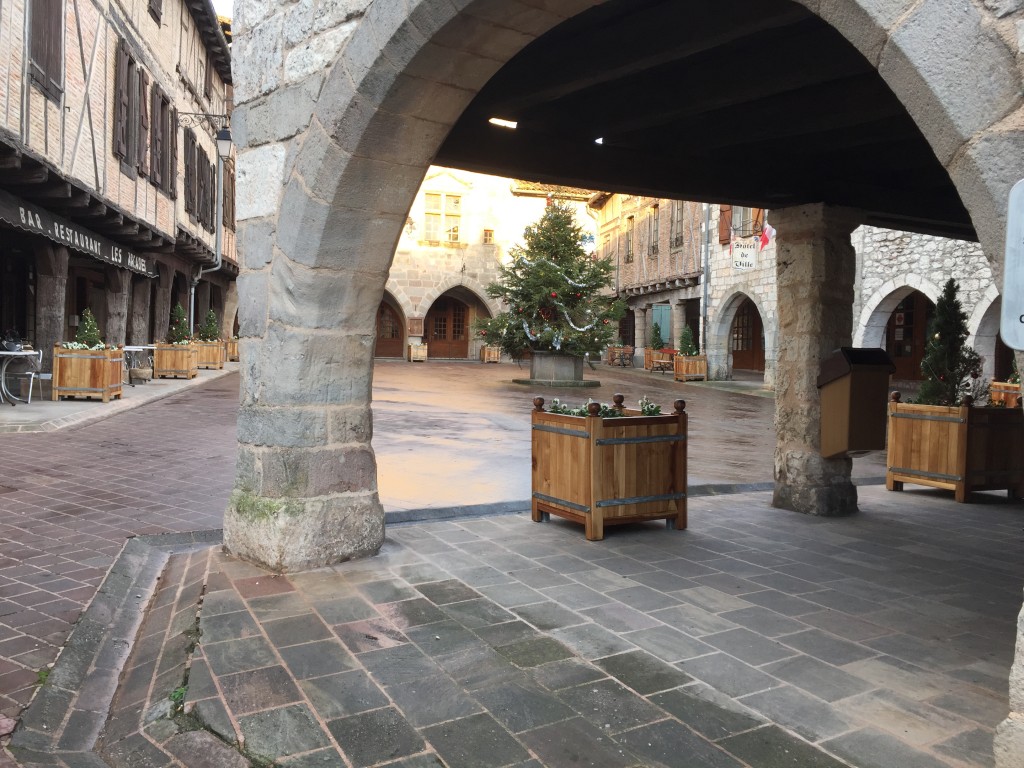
[756,637]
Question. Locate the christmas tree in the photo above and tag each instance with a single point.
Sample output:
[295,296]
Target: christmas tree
[657,342]
[210,330]
[88,331]
[179,332]
[552,291]
[951,369]
[686,345]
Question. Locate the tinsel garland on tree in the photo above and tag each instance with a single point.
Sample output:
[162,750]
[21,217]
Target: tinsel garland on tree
[553,291]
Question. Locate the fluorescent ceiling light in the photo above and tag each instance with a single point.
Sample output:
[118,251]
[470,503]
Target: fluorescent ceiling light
[502,122]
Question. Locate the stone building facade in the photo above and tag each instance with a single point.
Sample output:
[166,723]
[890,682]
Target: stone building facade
[108,188]
[458,232]
[899,278]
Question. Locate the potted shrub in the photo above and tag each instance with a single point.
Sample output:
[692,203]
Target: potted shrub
[86,367]
[557,306]
[689,364]
[209,347]
[943,440]
[176,358]
[655,347]
[603,465]
[1006,392]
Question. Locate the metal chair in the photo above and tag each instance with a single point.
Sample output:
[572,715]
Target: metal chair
[32,371]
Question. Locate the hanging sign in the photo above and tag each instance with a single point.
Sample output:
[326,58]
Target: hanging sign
[39,221]
[1011,326]
[744,254]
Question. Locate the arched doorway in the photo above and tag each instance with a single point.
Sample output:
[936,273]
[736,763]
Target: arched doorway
[447,329]
[905,335]
[747,338]
[389,341]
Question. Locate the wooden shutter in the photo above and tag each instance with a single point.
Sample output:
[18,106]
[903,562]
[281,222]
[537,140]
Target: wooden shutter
[156,140]
[190,180]
[757,215]
[229,194]
[46,45]
[724,224]
[156,9]
[121,101]
[143,134]
[208,80]
[171,182]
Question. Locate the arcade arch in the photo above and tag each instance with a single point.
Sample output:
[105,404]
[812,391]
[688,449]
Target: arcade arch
[740,338]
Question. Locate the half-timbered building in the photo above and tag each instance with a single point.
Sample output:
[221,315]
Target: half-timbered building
[108,167]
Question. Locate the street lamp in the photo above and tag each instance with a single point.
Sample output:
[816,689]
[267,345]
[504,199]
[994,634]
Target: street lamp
[223,152]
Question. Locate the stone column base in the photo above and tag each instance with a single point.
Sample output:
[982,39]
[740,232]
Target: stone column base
[811,485]
[287,535]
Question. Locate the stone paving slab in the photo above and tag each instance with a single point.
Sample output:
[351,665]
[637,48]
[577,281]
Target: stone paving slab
[399,661]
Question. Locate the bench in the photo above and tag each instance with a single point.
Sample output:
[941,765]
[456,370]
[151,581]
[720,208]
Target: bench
[661,362]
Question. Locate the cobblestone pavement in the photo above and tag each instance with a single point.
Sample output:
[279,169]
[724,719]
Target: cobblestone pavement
[67,509]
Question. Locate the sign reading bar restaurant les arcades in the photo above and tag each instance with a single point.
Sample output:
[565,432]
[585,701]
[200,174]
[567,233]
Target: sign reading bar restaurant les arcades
[39,221]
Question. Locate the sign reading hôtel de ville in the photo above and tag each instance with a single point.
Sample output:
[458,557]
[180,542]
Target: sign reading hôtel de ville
[1011,326]
[744,254]
[40,221]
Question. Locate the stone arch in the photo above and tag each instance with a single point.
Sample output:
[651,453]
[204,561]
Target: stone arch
[363,108]
[719,336]
[983,326]
[874,317]
[457,281]
[400,298]
[391,347]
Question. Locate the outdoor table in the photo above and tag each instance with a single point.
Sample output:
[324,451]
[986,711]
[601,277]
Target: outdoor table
[6,358]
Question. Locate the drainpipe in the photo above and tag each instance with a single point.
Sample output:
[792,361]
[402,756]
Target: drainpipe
[217,246]
[706,277]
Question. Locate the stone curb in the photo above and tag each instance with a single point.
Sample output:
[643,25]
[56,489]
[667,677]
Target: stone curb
[60,727]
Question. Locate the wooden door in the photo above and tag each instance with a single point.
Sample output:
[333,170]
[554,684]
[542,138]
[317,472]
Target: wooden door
[447,329]
[905,335]
[389,333]
[748,338]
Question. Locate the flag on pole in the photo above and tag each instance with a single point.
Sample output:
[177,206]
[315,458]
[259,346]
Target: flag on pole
[766,235]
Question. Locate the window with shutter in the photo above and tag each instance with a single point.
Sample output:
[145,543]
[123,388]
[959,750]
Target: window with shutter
[156,8]
[208,80]
[121,101]
[157,139]
[171,177]
[758,220]
[190,171]
[229,194]
[202,169]
[46,45]
[724,224]
[143,135]
[212,213]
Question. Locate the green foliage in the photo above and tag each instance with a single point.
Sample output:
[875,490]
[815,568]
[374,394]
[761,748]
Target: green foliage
[1014,377]
[686,344]
[179,332]
[657,342]
[178,694]
[88,331]
[554,293]
[210,329]
[647,408]
[42,676]
[951,369]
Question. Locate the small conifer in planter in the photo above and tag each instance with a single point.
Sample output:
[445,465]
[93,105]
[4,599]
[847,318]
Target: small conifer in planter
[87,367]
[689,363]
[178,357]
[686,344]
[951,368]
[211,348]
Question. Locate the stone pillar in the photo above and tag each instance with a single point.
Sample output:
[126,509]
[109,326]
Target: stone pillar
[678,321]
[640,326]
[203,304]
[162,308]
[119,287]
[1009,741]
[227,320]
[815,267]
[138,319]
[51,292]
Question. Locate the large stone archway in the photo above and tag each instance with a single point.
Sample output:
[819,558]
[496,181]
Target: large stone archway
[339,114]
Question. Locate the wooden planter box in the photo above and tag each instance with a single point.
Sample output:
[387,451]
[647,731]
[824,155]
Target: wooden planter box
[490,354]
[417,353]
[175,361]
[621,356]
[92,373]
[231,350]
[961,449]
[1004,392]
[606,471]
[211,354]
[690,367]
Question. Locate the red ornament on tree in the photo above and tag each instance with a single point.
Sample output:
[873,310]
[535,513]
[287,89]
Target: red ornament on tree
[554,295]
[605,321]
